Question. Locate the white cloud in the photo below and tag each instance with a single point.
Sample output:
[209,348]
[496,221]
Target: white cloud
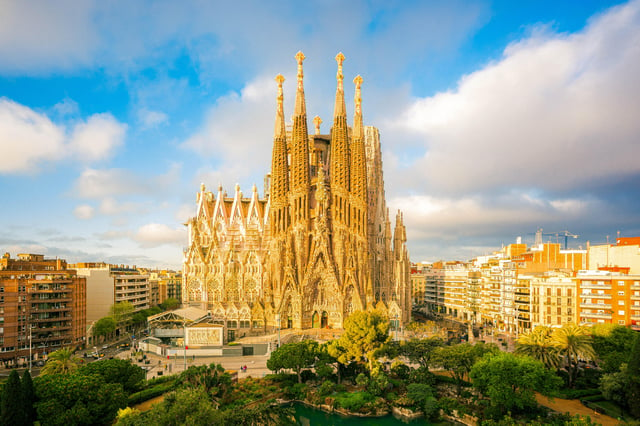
[97,138]
[150,119]
[156,234]
[27,138]
[556,111]
[84,211]
[110,207]
[94,183]
[234,130]
[66,107]
[185,212]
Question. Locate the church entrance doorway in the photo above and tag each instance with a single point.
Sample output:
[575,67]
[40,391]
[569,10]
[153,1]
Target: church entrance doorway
[325,320]
[315,320]
[289,322]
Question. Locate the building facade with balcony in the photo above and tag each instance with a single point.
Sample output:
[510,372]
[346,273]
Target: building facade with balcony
[110,284]
[42,307]
[608,297]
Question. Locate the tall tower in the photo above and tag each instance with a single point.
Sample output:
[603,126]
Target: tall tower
[279,192]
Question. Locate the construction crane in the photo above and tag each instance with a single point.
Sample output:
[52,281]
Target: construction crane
[565,234]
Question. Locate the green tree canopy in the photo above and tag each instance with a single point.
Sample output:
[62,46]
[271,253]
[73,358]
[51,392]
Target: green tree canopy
[573,343]
[459,359]
[294,356]
[62,361]
[121,371]
[612,345]
[364,332]
[633,371]
[537,344]
[12,402]
[104,326]
[29,398]
[509,381]
[121,311]
[421,351]
[77,399]
[170,303]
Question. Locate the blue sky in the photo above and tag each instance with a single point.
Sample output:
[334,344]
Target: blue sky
[496,117]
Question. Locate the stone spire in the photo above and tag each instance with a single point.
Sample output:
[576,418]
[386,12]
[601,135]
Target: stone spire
[358,166]
[279,168]
[339,171]
[300,176]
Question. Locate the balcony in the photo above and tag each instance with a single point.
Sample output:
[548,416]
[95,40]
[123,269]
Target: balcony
[597,286]
[595,315]
[594,295]
[635,317]
[634,297]
[595,305]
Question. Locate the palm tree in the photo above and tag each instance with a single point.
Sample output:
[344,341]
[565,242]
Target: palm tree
[574,343]
[538,345]
[62,361]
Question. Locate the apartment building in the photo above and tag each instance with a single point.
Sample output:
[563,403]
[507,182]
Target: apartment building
[609,297]
[625,253]
[554,300]
[109,284]
[42,307]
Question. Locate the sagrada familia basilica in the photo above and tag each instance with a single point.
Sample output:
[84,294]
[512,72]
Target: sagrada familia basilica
[317,246]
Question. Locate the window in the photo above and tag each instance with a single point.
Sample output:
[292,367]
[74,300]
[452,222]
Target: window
[569,301]
[558,292]
[569,311]
[621,293]
[621,302]
[620,312]
[620,282]
[559,310]
[569,293]
[621,322]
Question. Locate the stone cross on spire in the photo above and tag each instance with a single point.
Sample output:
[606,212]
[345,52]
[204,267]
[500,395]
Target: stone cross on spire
[358,98]
[317,121]
[300,57]
[339,76]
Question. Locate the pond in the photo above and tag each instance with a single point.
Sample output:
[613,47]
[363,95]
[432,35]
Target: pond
[309,416]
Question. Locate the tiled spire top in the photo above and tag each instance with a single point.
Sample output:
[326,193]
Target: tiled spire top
[280,80]
[301,108]
[358,128]
[339,76]
[299,58]
[339,107]
[279,128]
[358,98]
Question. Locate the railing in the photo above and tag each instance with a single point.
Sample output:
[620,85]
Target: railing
[595,315]
[595,305]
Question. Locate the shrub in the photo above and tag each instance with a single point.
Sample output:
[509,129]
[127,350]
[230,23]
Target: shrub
[297,391]
[354,401]
[147,394]
[326,388]
[362,380]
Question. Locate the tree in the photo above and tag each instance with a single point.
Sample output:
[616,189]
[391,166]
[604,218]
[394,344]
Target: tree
[421,351]
[294,356]
[459,359]
[28,398]
[537,344]
[12,403]
[633,372]
[116,371]
[121,311]
[612,344]
[573,343]
[212,378]
[77,399]
[62,361]
[104,327]
[364,332]
[170,303]
[509,381]
[422,396]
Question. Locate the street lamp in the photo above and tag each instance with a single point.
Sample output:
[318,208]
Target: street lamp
[278,325]
[184,341]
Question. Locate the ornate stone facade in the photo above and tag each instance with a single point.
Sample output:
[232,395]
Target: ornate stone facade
[317,246]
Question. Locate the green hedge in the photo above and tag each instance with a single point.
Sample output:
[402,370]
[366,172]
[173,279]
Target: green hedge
[577,393]
[147,394]
[592,398]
